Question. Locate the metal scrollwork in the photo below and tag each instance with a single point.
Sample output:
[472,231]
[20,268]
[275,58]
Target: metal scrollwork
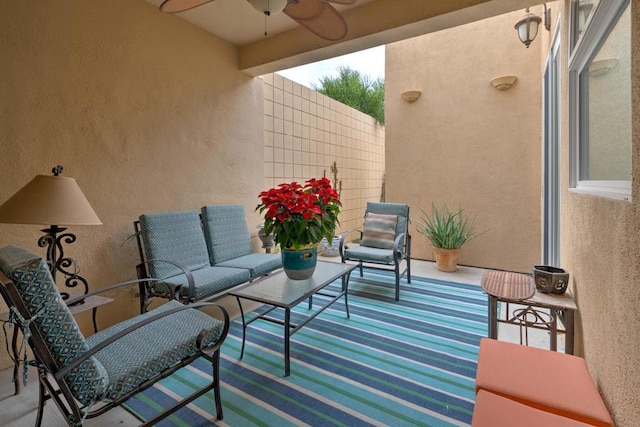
[52,240]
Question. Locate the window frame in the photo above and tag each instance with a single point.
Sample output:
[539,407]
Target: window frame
[595,33]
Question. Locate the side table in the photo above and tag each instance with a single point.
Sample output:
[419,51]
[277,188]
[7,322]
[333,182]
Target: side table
[90,303]
[519,288]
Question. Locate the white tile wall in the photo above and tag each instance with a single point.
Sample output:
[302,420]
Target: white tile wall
[305,132]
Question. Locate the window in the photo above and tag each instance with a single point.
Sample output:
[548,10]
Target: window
[581,13]
[600,99]
[551,156]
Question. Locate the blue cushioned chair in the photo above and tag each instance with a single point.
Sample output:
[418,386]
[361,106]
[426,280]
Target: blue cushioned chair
[384,240]
[229,242]
[88,377]
[172,243]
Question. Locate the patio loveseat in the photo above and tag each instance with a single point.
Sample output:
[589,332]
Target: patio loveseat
[212,247]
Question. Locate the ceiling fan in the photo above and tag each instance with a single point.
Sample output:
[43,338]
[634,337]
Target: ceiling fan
[317,16]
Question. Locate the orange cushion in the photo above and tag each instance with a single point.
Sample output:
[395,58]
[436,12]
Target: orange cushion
[554,382]
[492,410]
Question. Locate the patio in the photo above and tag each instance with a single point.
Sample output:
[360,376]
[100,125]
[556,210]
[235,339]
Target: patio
[19,410]
[144,124]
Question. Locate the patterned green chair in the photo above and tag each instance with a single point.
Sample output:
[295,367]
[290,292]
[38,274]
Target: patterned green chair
[172,243]
[88,377]
[384,240]
[229,242]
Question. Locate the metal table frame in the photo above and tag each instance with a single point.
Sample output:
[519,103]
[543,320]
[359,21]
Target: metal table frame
[326,273]
[560,307]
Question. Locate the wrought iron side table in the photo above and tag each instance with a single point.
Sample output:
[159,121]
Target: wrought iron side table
[520,289]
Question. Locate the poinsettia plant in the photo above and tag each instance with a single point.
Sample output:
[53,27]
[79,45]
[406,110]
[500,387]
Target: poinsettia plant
[300,215]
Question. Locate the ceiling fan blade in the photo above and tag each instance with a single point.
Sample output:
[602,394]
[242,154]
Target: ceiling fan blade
[304,9]
[342,1]
[175,6]
[324,20]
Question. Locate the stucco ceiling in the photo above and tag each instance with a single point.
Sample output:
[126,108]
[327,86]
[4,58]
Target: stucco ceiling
[371,23]
[237,22]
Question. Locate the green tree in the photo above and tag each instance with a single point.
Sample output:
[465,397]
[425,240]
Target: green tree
[355,90]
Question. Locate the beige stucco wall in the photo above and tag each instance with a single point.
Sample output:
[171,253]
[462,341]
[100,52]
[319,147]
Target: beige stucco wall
[147,112]
[599,247]
[465,143]
[306,131]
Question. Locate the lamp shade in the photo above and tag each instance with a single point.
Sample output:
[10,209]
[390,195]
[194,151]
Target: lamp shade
[49,200]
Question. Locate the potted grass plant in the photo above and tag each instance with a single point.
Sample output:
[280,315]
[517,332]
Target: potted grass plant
[447,231]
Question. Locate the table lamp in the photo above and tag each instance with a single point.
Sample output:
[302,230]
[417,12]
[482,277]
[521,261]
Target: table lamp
[53,201]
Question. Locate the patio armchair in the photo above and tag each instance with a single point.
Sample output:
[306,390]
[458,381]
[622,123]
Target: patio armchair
[384,240]
[88,377]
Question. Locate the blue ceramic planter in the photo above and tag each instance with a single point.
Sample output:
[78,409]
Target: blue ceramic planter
[299,265]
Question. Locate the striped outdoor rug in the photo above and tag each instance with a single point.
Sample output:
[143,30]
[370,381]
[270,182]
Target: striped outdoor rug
[411,362]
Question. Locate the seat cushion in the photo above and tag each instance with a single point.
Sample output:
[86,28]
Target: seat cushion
[176,237]
[226,232]
[547,380]
[54,321]
[379,230]
[492,410]
[257,264]
[376,255]
[209,281]
[149,350]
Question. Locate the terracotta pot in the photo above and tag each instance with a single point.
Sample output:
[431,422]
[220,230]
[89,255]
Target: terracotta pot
[446,259]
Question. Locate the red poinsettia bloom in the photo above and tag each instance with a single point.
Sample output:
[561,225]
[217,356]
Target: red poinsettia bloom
[300,215]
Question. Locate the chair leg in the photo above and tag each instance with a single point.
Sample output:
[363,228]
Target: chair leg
[397,282]
[360,268]
[41,402]
[408,270]
[216,384]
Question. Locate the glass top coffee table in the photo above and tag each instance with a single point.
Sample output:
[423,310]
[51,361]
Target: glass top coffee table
[279,291]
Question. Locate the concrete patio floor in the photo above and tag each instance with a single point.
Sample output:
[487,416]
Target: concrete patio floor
[20,410]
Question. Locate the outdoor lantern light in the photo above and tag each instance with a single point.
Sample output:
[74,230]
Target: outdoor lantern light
[527,27]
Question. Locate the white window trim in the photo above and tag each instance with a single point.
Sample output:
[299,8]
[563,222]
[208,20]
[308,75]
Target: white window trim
[604,19]
[619,190]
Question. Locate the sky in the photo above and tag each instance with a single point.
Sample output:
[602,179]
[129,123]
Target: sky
[368,62]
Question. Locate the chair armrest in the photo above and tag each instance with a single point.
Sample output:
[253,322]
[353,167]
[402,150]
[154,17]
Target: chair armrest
[343,238]
[214,347]
[402,246]
[398,243]
[185,271]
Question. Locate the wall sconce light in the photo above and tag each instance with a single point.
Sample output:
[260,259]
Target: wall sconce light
[411,96]
[503,82]
[601,67]
[527,27]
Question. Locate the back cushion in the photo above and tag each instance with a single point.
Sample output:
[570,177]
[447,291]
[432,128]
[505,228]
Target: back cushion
[54,321]
[379,230]
[398,209]
[226,232]
[176,237]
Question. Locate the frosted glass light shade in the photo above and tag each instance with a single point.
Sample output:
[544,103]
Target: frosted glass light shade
[49,200]
[268,7]
[527,27]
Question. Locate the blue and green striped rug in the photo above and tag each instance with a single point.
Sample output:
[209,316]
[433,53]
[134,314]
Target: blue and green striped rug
[411,362]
